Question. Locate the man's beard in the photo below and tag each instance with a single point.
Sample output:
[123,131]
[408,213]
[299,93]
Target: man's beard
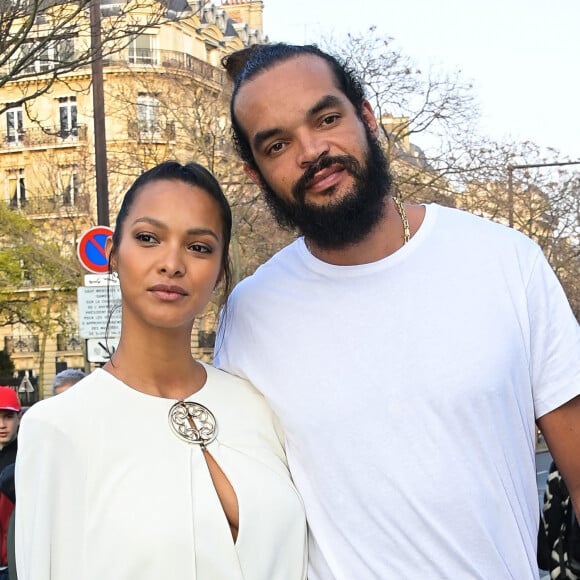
[343,222]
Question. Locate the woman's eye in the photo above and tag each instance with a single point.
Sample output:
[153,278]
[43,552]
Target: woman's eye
[145,237]
[201,248]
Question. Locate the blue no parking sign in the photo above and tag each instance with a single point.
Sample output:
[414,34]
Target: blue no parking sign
[91,249]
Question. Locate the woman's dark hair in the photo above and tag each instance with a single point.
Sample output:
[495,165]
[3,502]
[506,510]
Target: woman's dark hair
[193,174]
[243,65]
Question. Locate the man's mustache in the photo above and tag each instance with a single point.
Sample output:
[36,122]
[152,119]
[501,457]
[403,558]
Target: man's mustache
[349,163]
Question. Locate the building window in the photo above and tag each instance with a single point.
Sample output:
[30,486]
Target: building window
[148,115]
[14,125]
[142,50]
[65,50]
[68,117]
[206,339]
[48,58]
[68,186]
[16,189]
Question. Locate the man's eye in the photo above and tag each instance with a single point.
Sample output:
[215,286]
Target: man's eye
[330,119]
[276,147]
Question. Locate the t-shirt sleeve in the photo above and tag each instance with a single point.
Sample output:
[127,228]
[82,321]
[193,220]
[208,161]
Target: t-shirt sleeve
[49,503]
[554,339]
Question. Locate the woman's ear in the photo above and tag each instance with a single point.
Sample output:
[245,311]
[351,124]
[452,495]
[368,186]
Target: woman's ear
[110,254]
[218,281]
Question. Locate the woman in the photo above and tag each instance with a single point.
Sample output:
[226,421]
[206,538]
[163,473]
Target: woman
[158,466]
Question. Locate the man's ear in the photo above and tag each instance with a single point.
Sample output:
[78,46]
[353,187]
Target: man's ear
[253,174]
[369,118]
[110,255]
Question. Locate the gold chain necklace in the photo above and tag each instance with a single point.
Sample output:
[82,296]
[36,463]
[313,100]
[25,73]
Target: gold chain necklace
[406,229]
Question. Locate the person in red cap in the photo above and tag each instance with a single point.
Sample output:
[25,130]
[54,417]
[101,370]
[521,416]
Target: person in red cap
[10,413]
[9,422]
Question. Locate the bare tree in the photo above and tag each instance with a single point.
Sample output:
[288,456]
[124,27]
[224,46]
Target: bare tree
[43,40]
[189,120]
[544,202]
[437,108]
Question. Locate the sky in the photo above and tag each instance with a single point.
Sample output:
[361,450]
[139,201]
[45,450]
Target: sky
[522,56]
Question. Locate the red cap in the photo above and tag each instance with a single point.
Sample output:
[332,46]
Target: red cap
[9,399]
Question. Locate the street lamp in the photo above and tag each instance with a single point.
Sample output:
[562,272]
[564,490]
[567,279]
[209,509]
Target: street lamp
[512,168]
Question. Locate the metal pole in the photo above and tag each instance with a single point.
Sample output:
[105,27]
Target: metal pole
[510,169]
[101,178]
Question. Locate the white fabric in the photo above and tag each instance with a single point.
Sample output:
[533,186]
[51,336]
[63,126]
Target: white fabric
[407,389]
[107,491]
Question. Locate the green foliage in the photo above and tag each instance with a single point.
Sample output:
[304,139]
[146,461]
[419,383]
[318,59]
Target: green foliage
[6,364]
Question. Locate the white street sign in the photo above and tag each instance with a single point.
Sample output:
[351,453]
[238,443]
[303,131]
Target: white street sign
[99,350]
[101,279]
[99,311]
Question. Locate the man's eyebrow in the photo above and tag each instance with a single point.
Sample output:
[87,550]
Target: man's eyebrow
[261,136]
[324,103]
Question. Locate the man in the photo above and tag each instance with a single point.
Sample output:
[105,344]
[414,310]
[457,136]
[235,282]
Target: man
[66,379]
[10,412]
[9,422]
[408,350]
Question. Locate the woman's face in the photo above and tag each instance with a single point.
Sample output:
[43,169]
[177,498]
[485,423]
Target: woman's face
[170,254]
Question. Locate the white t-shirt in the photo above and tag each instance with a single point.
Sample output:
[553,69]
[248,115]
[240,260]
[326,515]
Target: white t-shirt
[408,390]
[106,490]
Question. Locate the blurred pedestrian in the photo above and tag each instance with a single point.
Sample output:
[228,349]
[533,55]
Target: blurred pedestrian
[10,413]
[559,532]
[66,379]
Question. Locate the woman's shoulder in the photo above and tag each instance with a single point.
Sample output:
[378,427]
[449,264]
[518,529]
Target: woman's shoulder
[80,400]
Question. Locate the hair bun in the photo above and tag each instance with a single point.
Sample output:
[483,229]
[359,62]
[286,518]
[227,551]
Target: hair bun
[235,62]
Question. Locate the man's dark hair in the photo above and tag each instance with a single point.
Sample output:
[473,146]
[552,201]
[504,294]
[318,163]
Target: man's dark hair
[243,65]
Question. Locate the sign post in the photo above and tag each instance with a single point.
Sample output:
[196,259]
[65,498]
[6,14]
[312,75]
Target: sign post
[99,301]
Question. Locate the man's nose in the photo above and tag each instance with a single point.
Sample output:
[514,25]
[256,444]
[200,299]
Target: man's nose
[312,147]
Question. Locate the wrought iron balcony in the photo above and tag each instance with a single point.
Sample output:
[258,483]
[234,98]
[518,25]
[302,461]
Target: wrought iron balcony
[167,59]
[142,132]
[44,136]
[68,342]
[57,204]
[21,343]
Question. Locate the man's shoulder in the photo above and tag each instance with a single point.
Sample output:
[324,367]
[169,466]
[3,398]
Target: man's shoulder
[272,269]
[460,222]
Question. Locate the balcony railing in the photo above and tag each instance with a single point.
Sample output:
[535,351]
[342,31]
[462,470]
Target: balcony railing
[61,204]
[68,342]
[133,57]
[22,343]
[45,136]
[161,132]
[168,59]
